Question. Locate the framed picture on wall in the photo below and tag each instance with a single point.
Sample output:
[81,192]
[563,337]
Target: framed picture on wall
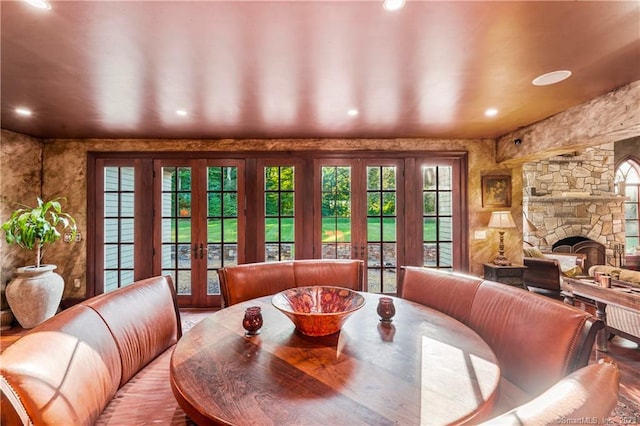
[496,191]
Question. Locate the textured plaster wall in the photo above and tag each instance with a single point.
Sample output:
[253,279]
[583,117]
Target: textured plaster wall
[20,165]
[65,172]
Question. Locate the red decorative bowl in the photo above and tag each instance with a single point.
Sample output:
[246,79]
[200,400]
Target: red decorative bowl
[318,310]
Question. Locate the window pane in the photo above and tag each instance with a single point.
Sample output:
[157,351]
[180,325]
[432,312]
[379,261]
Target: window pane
[111,230]
[176,226]
[111,178]
[287,204]
[126,204]
[437,216]
[127,179]
[230,179]
[111,204]
[127,256]
[111,256]
[214,256]
[272,231]
[118,220]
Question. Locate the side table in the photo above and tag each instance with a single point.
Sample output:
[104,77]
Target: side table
[511,275]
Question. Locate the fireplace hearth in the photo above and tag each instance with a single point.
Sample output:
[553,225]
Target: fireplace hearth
[595,252]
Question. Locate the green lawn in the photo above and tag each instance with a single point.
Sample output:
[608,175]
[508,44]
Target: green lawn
[331,229]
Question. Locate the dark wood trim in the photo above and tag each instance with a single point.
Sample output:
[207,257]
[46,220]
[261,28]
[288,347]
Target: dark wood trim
[452,155]
[144,215]
[253,201]
[91,255]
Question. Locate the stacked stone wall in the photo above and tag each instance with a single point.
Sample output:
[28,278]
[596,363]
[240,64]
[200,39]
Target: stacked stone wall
[574,196]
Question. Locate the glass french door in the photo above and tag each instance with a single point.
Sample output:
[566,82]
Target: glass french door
[189,217]
[358,202]
[201,225]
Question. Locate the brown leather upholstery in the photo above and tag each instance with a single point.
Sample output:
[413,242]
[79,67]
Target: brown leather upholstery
[64,371]
[451,294]
[590,392]
[72,366]
[248,281]
[332,272]
[543,275]
[140,333]
[537,340]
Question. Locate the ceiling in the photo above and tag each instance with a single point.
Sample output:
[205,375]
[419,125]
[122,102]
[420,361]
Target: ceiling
[293,69]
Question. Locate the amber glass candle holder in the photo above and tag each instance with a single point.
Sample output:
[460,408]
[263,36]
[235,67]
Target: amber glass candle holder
[386,309]
[252,321]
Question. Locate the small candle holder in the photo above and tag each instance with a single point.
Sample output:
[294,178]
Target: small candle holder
[252,321]
[386,309]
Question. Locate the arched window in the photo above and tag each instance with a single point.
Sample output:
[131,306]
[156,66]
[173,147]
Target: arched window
[628,183]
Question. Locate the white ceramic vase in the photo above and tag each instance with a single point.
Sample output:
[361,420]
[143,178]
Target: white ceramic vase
[34,294]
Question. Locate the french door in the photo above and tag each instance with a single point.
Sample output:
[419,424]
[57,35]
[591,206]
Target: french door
[188,217]
[357,216]
[200,227]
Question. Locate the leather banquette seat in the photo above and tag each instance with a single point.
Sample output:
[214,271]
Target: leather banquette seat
[103,361]
[538,341]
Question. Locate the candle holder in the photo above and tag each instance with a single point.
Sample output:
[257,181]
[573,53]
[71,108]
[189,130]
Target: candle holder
[386,309]
[252,321]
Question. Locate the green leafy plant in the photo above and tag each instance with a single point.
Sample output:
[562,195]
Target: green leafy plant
[33,227]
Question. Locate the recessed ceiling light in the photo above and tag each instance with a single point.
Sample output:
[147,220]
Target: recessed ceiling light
[23,111]
[551,78]
[40,4]
[491,112]
[393,4]
[181,112]
[352,112]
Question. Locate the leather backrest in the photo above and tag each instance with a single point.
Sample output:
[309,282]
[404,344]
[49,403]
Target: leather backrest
[64,371]
[537,340]
[331,272]
[542,273]
[588,393]
[446,292]
[143,319]
[250,280]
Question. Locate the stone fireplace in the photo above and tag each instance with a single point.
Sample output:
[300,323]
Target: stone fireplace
[571,202]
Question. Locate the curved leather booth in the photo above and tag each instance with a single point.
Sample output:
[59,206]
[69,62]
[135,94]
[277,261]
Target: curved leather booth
[537,340]
[103,361]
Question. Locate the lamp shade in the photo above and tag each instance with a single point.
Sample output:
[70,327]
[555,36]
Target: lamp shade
[501,220]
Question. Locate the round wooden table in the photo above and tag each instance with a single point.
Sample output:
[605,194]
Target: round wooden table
[423,368]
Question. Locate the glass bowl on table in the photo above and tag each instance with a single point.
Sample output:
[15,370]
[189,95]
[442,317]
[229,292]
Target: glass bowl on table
[318,310]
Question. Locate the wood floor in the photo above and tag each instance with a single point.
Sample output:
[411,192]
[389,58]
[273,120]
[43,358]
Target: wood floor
[627,354]
[623,351]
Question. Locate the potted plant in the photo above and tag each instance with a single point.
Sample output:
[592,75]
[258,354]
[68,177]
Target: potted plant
[35,293]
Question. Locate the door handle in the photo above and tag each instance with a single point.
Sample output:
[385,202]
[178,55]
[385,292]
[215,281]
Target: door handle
[201,251]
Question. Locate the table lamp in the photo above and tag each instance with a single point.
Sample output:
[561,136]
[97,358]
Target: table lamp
[501,220]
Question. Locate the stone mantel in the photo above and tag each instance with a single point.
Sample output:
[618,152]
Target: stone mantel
[589,199]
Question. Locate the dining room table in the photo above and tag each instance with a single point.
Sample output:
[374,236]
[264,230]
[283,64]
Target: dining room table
[423,367]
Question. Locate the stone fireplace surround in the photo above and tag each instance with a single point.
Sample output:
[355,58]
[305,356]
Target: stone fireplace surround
[575,199]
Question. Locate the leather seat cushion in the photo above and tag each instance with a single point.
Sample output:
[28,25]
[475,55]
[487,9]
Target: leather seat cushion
[146,399]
